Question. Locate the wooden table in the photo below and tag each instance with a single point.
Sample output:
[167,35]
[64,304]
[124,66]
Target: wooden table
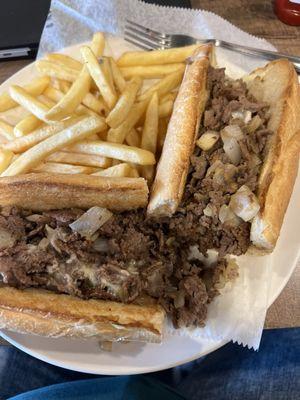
[257,18]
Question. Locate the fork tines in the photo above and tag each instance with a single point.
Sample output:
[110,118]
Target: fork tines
[145,38]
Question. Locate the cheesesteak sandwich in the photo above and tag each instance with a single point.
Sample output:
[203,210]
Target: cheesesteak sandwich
[115,271]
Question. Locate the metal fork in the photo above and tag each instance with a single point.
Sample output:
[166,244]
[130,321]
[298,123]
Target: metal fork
[149,39]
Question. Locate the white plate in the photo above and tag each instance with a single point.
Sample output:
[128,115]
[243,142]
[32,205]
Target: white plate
[133,358]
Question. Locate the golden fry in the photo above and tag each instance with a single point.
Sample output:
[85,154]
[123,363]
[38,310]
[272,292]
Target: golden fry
[31,158]
[64,86]
[119,170]
[64,60]
[24,143]
[26,100]
[162,131]
[119,113]
[114,150]
[118,135]
[151,71]
[164,86]
[57,71]
[6,130]
[35,88]
[97,105]
[72,98]
[5,159]
[97,73]
[89,100]
[79,88]
[89,160]
[169,96]
[165,109]
[134,173]
[156,57]
[133,138]
[59,168]
[27,125]
[149,136]
[118,78]
[108,72]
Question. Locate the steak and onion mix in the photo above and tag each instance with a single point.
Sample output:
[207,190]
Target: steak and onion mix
[126,255]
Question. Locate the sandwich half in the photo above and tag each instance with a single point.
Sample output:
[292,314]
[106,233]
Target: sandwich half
[246,157]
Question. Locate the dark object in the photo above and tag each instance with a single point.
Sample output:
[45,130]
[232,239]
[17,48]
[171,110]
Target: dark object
[288,11]
[230,373]
[171,3]
[21,25]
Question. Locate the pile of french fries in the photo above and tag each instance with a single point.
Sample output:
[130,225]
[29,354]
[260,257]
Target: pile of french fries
[93,116]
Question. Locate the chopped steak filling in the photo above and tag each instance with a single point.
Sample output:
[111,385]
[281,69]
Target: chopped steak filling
[166,259]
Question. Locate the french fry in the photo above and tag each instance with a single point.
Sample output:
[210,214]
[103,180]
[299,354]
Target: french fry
[134,173]
[162,131]
[57,71]
[120,111]
[31,158]
[59,168]
[35,88]
[30,103]
[165,109]
[24,143]
[89,160]
[118,78]
[89,100]
[118,135]
[64,60]
[133,138]
[48,102]
[118,151]
[97,105]
[79,88]
[156,57]
[27,125]
[164,86]
[5,159]
[149,136]
[71,100]
[54,94]
[168,96]
[6,130]
[63,86]
[98,75]
[151,71]
[119,170]
[98,44]
[108,72]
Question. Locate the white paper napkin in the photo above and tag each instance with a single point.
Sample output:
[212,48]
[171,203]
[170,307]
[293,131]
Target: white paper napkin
[239,313]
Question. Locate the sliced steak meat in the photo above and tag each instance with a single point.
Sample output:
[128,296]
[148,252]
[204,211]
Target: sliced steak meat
[12,229]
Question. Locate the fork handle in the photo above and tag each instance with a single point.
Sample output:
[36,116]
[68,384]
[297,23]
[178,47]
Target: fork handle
[267,54]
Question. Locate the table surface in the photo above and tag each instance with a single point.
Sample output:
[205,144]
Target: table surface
[257,18]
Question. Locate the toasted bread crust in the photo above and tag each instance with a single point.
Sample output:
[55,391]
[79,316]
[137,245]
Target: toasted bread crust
[173,166]
[41,192]
[49,314]
[276,84]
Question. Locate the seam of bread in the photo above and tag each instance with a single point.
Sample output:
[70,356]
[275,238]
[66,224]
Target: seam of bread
[276,84]
[44,313]
[173,165]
